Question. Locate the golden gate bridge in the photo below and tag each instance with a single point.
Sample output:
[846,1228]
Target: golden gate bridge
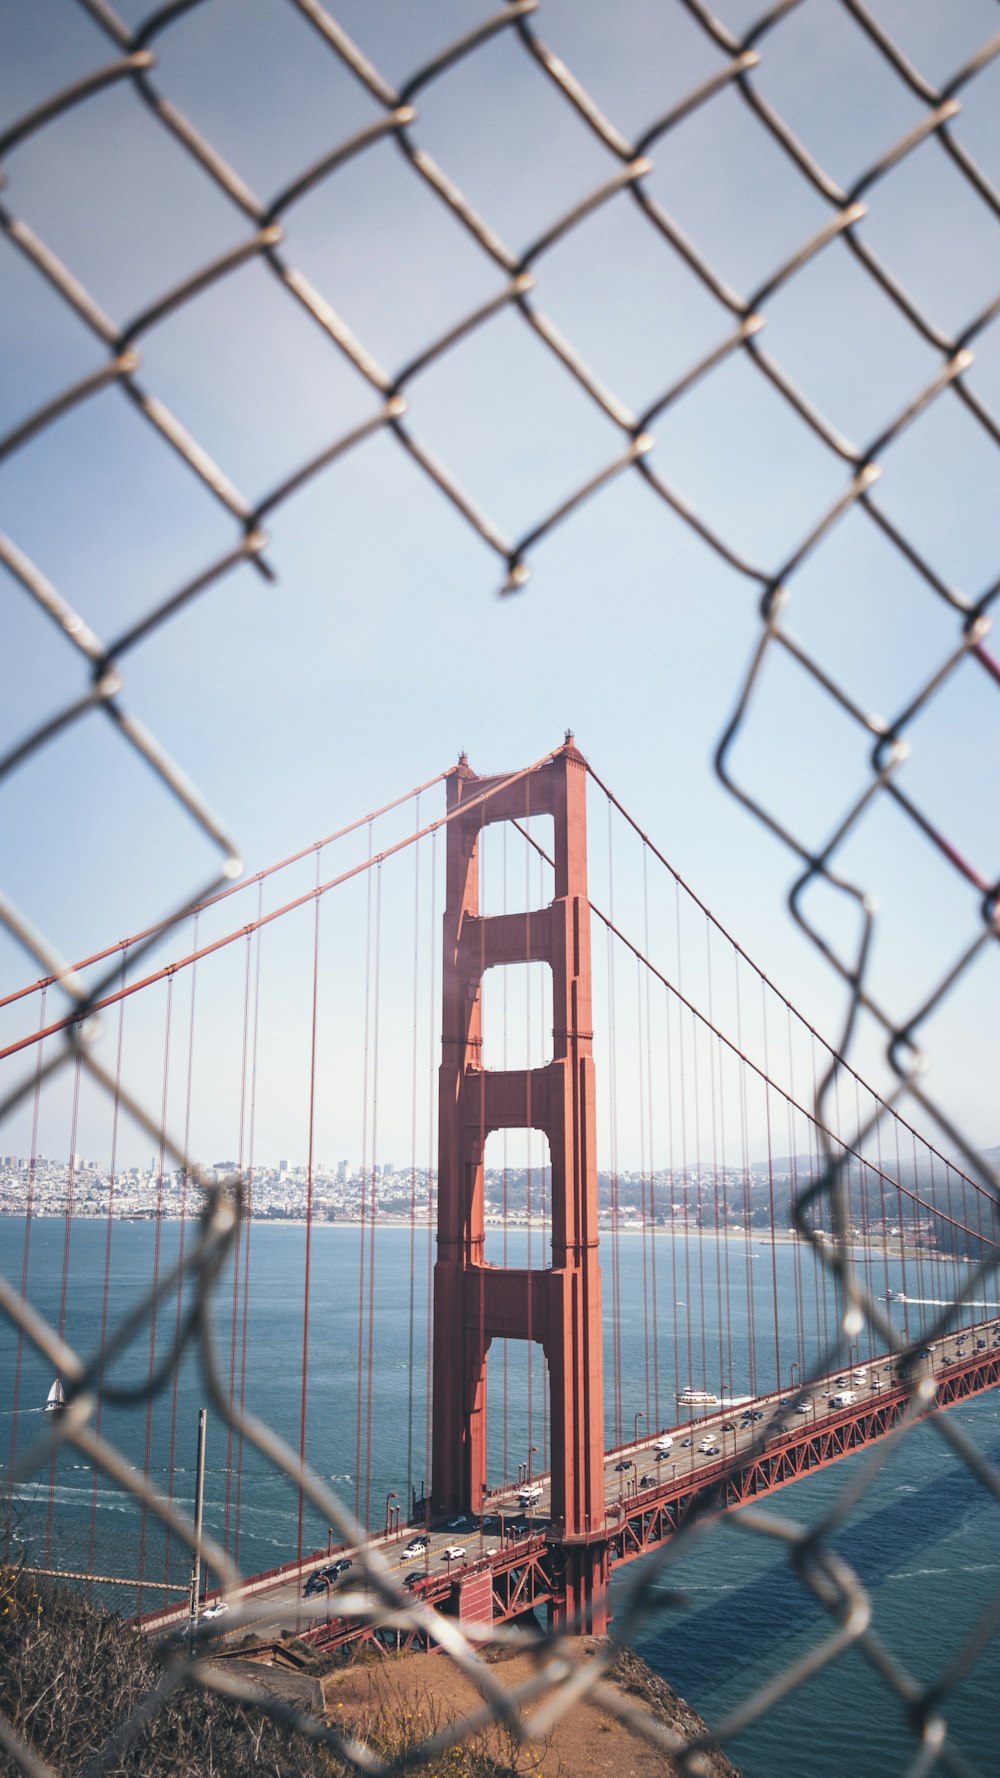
[670,1090]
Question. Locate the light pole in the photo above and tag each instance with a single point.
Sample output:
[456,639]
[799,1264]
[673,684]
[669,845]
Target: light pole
[532,1452]
[392,1495]
[639,1416]
[199,1507]
[791,1373]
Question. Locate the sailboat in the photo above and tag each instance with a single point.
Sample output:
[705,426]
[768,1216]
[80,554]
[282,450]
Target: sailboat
[56,1399]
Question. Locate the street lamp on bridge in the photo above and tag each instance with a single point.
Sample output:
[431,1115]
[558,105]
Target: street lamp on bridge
[532,1452]
[392,1495]
[639,1416]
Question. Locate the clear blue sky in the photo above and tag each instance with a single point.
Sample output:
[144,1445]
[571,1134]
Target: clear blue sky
[382,648]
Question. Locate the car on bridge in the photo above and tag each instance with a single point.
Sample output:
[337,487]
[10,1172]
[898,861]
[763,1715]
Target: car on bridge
[626,1463]
[454,1552]
[321,1579]
[664,1447]
[417,1546]
[414,1579]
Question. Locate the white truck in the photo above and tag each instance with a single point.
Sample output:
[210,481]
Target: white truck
[843,1398]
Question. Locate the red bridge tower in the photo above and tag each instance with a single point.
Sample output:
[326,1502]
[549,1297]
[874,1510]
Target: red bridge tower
[475,1302]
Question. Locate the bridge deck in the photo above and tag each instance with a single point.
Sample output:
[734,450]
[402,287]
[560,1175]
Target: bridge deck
[648,1499]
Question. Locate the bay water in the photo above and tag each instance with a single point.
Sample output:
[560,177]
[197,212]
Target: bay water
[726,1615]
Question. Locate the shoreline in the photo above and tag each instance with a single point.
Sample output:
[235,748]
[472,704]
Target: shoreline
[889,1247]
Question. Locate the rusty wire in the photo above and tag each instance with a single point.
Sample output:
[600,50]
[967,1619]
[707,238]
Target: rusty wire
[395,413]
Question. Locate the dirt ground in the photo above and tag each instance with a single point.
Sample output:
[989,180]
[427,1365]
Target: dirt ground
[405,1697]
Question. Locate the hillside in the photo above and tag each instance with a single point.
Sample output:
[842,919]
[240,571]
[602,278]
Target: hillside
[71,1675]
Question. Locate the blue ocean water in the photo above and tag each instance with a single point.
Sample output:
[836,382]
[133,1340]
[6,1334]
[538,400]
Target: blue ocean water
[922,1538]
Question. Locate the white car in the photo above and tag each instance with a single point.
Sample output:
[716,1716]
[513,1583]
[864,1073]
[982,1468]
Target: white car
[710,1450]
[454,1553]
[219,1609]
[664,1447]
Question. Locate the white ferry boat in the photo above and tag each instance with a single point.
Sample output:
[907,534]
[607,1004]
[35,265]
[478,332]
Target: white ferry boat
[697,1398]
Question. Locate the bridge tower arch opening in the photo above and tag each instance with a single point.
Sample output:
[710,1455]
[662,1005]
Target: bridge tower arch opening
[476,1302]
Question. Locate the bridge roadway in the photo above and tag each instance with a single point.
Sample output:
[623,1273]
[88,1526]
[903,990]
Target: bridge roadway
[717,1460]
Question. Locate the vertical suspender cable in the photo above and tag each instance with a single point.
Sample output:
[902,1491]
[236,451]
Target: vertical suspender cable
[26,1250]
[307,1270]
[657,1422]
[431,1183]
[747,1200]
[64,1292]
[770,1193]
[685,1182]
[374,1176]
[644,1192]
[506,1156]
[616,1307]
[241,1233]
[109,1230]
[868,1257]
[922,1289]
[179,1303]
[247,1168]
[884,1214]
[793,1167]
[668,1002]
[718,1233]
[478,1257]
[411,1318]
[546,1253]
[529,1206]
[363,1207]
[820,1203]
[724,1283]
[161,1161]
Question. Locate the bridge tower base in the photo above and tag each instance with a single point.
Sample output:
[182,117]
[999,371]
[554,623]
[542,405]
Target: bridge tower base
[476,1302]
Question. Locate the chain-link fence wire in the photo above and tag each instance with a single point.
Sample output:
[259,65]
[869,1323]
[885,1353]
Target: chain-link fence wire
[740,60]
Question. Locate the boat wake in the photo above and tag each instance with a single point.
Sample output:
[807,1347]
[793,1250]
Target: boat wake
[933,1302]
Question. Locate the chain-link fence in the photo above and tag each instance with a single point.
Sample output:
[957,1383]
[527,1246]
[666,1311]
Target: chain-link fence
[784,89]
